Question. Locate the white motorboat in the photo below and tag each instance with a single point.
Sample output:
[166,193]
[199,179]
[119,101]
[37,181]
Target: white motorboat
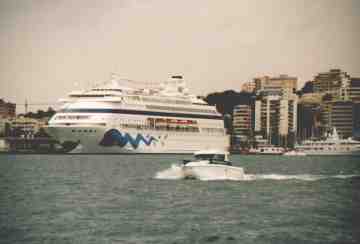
[211,165]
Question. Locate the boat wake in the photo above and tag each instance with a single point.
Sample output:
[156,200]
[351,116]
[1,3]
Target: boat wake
[304,177]
[175,173]
[172,173]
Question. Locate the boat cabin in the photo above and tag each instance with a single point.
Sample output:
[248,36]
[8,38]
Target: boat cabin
[213,156]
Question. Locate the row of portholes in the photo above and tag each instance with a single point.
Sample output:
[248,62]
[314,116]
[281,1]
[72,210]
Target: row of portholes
[84,131]
[329,148]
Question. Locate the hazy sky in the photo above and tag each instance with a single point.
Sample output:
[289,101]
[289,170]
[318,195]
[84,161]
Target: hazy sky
[47,46]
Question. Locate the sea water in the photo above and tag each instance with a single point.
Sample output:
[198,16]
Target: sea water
[142,199]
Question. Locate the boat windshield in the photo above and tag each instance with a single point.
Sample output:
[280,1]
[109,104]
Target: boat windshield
[216,157]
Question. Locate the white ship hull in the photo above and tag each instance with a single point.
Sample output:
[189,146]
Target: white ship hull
[330,153]
[150,141]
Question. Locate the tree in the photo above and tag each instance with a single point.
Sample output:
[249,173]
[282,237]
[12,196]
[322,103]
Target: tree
[307,88]
[41,114]
[226,101]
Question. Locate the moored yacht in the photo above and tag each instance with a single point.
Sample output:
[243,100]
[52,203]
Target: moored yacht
[332,145]
[123,116]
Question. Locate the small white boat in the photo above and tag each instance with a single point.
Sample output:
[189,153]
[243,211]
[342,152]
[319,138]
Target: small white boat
[294,153]
[211,165]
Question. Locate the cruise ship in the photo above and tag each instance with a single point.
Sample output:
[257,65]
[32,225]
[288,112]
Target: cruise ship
[332,145]
[122,116]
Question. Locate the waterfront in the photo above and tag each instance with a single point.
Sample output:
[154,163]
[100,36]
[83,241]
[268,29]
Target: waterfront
[117,199]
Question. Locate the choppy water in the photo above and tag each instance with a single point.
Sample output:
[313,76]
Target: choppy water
[120,199]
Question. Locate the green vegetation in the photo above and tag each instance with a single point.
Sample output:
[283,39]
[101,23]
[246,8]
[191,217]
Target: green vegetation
[40,114]
[226,101]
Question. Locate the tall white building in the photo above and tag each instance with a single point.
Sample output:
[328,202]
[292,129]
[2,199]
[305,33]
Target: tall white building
[276,108]
[276,116]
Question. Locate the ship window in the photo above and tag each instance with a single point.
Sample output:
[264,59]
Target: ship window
[216,157]
[90,131]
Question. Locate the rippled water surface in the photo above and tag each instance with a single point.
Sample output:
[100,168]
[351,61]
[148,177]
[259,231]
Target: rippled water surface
[119,199]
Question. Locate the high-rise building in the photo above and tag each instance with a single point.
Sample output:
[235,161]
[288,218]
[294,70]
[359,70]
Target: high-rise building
[276,116]
[339,84]
[242,124]
[353,91]
[331,82]
[356,120]
[282,83]
[337,109]
[339,115]
[308,120]
[7,110]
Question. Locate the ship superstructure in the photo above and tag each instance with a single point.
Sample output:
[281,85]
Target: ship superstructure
[123,116]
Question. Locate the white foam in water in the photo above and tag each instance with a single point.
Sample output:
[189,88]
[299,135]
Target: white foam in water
[345,176]
[306,177]
[175,173]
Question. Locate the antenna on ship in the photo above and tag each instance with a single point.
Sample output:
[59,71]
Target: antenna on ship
[26,106]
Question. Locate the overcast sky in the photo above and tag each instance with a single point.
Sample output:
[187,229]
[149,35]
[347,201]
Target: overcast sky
[47,46]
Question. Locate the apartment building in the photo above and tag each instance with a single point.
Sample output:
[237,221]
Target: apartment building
[284,83]
[276,116]
[7,110]
[242,124]
[339,115]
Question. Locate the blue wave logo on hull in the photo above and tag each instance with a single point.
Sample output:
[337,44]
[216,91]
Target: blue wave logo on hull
[113,137]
